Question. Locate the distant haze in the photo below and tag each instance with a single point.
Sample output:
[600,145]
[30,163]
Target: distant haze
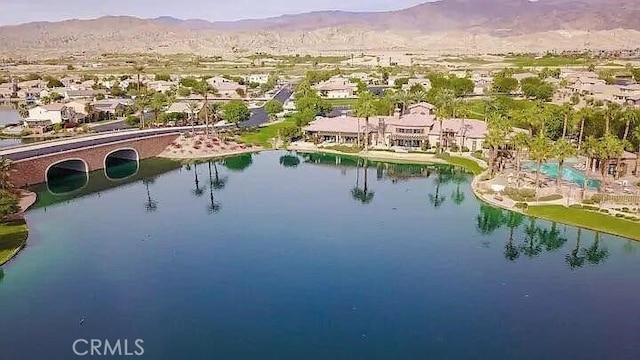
[21,11]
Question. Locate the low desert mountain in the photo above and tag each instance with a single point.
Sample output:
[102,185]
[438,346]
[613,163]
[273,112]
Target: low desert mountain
[446,26]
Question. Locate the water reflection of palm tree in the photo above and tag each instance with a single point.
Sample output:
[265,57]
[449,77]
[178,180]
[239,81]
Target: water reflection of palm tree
[363,194]
[289,160]
[532,246]
[575,259]
[489,220]
[197,191]
[150,205]
[459,176]
[218,182]
[551,238]
[513,220]
[214,206]
[436,199]
[595,254]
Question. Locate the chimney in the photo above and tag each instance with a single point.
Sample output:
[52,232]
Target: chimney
[396,113]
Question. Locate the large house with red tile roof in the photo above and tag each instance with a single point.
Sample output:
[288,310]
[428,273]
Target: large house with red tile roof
[418,128]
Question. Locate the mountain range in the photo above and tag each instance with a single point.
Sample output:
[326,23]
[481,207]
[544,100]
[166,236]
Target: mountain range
[441,26]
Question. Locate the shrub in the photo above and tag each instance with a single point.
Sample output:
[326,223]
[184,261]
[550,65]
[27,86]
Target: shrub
[605,211]
[619,215]
[455,147]
[551,197]
[521,205]
[520,194]
[576,206]
[26,132]
[8,203]
[589,207]
[465,149]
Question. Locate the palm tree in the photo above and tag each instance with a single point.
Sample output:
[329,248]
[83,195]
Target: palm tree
[631,117]
[365,107]
[495,138]
[583,114]
[445,100]
[519,142]
[89,109]
[513,220]
[562,150]
[610,148]
[575,259]
[139,70]
[204,88]
[150,205]
[23,111]
[567,114]
[193,108]
[403,98]
[214,206]
[636,137]
[612,114]
[214,110]
[541,150]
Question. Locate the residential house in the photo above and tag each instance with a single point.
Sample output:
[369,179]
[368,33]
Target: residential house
[257,78]
[419,128]
[110,108]
[425,83]
[8,90]
[231,89]
[42,117]
[160,86]
[336,88]
[183,107]
[87,94]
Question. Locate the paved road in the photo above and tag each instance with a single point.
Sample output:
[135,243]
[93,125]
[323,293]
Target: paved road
[114,125]
[259,115]
[52,147]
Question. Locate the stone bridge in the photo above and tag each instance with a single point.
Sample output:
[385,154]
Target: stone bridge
[36,162]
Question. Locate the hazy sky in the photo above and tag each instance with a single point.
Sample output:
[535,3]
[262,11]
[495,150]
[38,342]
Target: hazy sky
[20,11]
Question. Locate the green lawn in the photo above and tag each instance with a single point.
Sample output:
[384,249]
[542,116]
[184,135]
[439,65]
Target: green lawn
[342,102]
[547,61]
[469,164]
[12,237]
[588,220]
[262,135]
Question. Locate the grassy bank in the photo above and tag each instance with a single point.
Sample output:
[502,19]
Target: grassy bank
[587,219]
[262,135]
[468,164]
[13,237]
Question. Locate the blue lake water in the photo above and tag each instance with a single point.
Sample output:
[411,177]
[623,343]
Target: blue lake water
[284,256]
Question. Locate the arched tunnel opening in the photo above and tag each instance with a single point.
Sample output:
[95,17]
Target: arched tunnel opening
[121,164]
[67,176]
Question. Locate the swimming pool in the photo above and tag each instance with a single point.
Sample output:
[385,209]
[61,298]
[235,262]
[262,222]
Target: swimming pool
[568,173]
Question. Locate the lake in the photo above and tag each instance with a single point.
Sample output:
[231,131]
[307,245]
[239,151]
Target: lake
[287,256]
[9,115]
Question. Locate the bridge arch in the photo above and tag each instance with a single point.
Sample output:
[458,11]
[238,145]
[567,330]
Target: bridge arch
[67,175]
[121,163]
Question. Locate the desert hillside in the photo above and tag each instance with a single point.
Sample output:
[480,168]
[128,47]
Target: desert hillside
[447,26]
